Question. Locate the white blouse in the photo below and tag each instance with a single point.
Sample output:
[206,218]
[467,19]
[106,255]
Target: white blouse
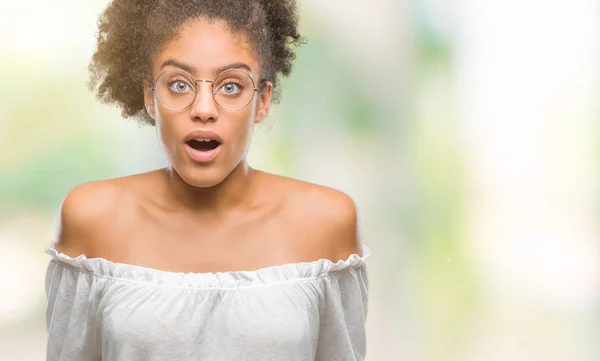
[101,310]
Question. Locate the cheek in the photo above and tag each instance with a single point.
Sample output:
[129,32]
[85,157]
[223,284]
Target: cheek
[243,132]
[167,136]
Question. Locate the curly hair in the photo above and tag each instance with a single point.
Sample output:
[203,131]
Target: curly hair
[130,32]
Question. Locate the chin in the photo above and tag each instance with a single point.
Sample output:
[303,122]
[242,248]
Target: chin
[202,177]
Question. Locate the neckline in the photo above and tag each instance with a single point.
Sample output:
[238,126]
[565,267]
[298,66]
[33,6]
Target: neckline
[288,272]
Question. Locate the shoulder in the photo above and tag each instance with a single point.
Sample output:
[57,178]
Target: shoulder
[327,218]
[87,214]
[336,219]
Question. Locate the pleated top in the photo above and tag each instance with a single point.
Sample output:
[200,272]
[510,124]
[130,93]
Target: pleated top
[101,310]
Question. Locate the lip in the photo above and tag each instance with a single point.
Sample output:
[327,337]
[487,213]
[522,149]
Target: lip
[202,156]
[203,134]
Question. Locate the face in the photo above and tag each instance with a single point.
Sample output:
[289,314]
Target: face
[221,137]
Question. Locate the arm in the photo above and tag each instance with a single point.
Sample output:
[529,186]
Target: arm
[71,293]
[343,308]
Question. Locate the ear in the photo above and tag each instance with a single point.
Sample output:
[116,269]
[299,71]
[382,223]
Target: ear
[264,104]
[149,99]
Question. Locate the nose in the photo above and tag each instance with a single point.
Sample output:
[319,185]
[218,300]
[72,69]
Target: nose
[204,107]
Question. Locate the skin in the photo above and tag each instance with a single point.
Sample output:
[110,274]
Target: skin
[214,217]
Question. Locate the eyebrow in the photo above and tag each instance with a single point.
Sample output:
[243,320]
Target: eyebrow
[191,69]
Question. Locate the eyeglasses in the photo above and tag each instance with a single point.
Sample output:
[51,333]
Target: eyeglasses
[232,89]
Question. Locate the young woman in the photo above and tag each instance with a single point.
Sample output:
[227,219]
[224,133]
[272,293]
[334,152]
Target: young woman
[208,259]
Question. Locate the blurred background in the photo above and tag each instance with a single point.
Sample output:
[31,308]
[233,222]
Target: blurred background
[467,132]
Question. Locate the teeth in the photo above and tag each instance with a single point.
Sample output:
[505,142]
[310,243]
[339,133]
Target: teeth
[203,140]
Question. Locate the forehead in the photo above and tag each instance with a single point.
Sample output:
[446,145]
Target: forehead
[207,46]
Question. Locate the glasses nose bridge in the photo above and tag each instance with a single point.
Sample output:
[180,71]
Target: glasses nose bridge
[197,86]
[196,81]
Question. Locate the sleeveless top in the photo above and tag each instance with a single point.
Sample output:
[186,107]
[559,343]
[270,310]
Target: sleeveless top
[101,310]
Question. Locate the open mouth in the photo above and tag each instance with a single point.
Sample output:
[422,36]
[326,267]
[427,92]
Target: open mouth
[203,145]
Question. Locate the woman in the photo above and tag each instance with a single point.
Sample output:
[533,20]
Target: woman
[208,259]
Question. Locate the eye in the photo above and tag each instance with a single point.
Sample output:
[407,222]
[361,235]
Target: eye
[230,88]
[179,86]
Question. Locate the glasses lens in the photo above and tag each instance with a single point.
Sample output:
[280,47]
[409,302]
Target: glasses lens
[175,89]
[233,89]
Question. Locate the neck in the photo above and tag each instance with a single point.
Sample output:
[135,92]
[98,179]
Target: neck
[216,201]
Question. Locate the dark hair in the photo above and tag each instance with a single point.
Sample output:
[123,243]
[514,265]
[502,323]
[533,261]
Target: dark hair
[130,32]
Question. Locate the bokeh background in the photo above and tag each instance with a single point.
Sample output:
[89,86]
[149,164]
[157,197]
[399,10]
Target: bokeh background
[467,132]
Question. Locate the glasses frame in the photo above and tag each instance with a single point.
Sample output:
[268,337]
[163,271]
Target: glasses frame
[212,88]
